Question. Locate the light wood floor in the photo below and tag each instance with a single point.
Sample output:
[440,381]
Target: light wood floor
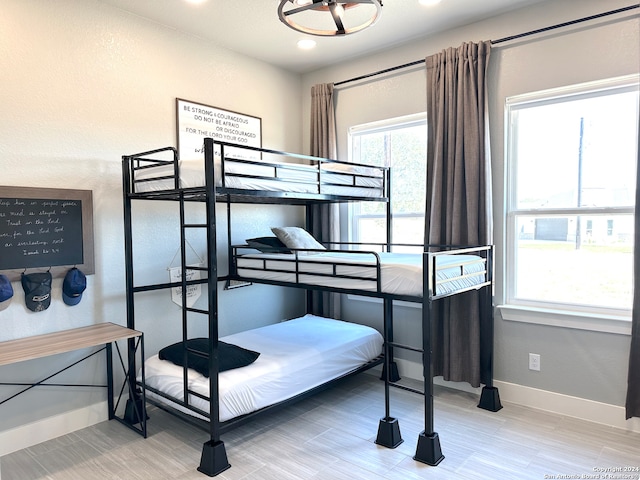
[331,436]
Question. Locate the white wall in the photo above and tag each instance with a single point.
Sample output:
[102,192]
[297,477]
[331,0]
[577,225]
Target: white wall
[584,364]
[81,85]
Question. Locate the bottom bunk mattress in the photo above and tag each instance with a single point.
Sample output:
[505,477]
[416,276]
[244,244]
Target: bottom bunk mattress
[295,356]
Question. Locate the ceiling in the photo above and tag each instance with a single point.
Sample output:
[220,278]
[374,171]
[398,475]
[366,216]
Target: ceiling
[252,27]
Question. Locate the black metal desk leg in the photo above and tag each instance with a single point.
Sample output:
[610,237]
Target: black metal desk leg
[109,354]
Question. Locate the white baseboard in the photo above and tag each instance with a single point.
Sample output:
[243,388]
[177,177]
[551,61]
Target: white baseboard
[575,407]
[592,411]
[49,428]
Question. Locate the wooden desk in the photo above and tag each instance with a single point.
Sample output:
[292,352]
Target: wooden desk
[101,335]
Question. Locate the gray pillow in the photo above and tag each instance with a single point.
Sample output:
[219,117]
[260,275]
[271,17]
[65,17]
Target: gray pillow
[297,238]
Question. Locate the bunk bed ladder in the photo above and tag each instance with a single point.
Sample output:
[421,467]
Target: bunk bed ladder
[214,456]
[428,448]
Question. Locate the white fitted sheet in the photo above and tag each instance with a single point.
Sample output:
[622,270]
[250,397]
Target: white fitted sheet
[400,273]
[337,178]
[295,356]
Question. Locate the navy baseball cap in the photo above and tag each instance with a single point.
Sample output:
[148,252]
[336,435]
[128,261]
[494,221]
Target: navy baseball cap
[6,292]
[73,285]
[37,290]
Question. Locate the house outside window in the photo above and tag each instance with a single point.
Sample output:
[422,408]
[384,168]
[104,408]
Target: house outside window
[571,169]
[399,143]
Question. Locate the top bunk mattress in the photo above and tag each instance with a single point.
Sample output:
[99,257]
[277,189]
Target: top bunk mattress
[295,356]
[330,178]
[400,273]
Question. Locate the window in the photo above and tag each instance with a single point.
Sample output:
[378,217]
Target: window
[400,143]
[571,163]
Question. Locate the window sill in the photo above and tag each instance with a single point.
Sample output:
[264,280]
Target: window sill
[583,321]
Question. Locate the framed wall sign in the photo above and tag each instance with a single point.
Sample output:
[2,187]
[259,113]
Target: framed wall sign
[196,121]
[45,228]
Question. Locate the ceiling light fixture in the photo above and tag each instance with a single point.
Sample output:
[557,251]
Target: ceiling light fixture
[328,18]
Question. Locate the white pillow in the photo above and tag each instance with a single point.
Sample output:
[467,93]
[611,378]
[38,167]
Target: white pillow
[298,238]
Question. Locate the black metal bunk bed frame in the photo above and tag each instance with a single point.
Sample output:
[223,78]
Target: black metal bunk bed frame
[214,458]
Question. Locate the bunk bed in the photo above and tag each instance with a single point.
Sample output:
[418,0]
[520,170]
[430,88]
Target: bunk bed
[233,174]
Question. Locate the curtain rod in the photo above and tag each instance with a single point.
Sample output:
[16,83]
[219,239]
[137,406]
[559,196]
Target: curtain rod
[494,42]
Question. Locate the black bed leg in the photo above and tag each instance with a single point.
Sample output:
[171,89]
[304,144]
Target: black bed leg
[214,458]
[394,374]
[428,450]
[134,411]
[490,399]
[389,433]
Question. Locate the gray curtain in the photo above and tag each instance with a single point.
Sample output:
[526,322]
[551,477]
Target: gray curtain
[633,377]
[323,219]
[458,205]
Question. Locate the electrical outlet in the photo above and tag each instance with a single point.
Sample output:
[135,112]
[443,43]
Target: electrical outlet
[534,362]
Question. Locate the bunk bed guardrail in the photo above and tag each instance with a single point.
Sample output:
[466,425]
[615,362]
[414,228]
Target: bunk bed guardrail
[255,172]
[450,270]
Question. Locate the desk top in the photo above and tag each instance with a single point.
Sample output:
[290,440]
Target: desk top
[38,346]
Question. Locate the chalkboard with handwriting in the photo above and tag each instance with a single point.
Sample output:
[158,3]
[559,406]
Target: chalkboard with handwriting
[45,228]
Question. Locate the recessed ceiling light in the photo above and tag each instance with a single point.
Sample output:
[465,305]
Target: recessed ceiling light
[306,44]
[429,3]
[195,2]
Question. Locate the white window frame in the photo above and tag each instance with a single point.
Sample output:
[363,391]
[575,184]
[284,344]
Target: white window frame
[538,312]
